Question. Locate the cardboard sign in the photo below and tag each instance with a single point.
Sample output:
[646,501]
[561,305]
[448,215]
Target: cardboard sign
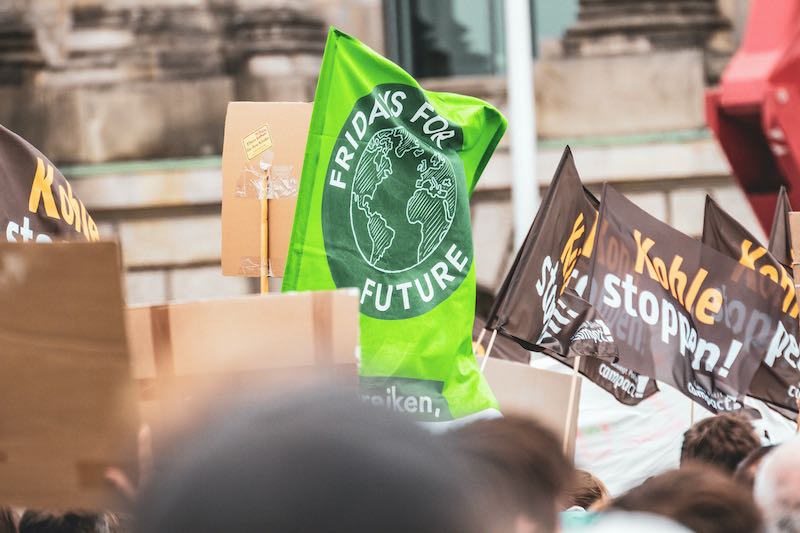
[68,410]
[526,391]
[262,157]
[794,229]
[212,347]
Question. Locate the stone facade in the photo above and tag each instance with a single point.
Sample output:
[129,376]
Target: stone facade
[165,70]
[133,80]
[621,27]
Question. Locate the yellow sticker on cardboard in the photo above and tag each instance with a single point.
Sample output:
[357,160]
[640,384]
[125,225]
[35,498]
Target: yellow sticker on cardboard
[257,142]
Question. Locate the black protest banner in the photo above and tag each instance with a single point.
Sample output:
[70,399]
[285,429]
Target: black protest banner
[777,379]
[627,386]
[780,240]
[575,328]
[590,335]
[541,304]
[37,202]
[675,308]
[528,299]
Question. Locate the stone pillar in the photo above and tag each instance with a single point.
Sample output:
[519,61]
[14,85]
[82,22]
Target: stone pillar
[630,67]
[98,46]
[134,80]
[100,80]
[180,39]
[274,53]
[613,27]
[19,54]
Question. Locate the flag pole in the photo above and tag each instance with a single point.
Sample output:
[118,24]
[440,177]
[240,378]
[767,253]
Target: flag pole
[573,389]
[480,337]
[521,106]
[264,234]
[798,416]
[691,414]
[488,350]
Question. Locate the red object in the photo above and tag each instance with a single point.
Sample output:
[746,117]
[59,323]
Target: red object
[755,111]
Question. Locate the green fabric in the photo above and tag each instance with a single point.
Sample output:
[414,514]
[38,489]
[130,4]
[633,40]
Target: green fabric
[384,207]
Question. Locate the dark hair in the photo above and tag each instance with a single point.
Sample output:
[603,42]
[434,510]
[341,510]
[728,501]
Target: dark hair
[316,461]
[722,441]
[518,465]
[69,522]
[586,491]
[745,473]
[701,498]
[8,523]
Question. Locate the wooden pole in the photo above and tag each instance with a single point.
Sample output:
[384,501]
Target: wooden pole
[573,389]
[691,414]
[488,350]
[264,233]
[798,416]
[794,237]
[480,339]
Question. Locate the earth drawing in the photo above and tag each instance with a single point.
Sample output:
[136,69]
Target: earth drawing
[403,200]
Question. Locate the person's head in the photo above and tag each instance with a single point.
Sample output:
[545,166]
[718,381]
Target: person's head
[586,492]
[8,520]
[520,471]
[746,471]
[777,488]
[308,462]
[69,522]
[722,441]
[703,499]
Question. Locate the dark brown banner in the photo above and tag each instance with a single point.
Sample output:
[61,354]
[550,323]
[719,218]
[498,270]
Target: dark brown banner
[777,379]
[780,240]
[37,203]
[541,304]
[528,298]
[676,308]
[586,326]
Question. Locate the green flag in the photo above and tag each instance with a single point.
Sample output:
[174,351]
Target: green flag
[384,207]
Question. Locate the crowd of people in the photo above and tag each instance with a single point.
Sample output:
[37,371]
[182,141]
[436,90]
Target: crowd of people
[320,460]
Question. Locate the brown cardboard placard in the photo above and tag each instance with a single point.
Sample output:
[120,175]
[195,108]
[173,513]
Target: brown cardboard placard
[794,229]
[258,134]
[69,409]
[542,394]
[195,348]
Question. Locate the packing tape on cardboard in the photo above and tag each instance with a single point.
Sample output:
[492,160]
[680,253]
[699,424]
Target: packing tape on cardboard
[249,266]
[262,180]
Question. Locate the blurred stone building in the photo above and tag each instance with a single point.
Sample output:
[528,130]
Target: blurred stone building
[129,98]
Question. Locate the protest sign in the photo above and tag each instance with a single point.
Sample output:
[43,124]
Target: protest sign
[605,371]
[209,347]
[676,309]
[37,204]
[384,207]
[794,234]
[777,379]
[780,241]
[541,305]
[528,301]
[545,395]
[68,408]
[262,160]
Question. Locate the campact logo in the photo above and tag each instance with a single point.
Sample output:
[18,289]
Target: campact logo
[395,208]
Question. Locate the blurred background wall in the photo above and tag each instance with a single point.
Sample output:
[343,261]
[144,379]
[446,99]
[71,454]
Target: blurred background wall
[128,97]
